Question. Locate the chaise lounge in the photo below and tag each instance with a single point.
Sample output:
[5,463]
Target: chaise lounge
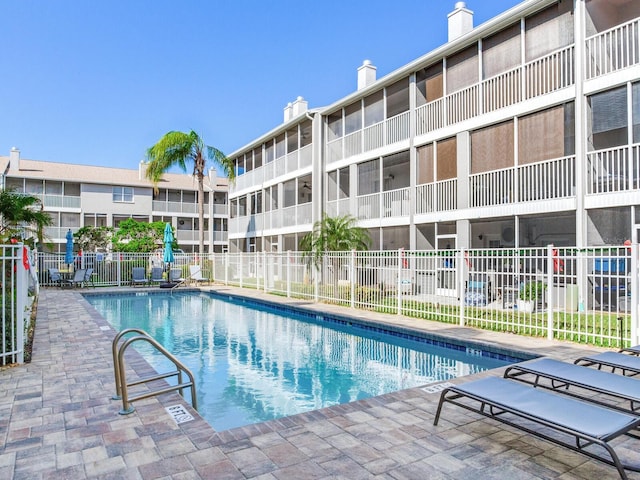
[559,376]
[512,402]
[629,364]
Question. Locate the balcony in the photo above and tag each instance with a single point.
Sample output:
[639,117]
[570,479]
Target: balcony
[58,201]
[174,207]
[613,49]
[58,233]
[289,163]
[387,132]
[613,170]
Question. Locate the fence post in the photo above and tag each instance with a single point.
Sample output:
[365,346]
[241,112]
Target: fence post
[264,271]
[459,269]
[288,270]
[226,268]
[550,290]
[22,287]
[119,269]
[635,294]
[352,275]
[400,254]
[316,281]
[256,265]
[241,268]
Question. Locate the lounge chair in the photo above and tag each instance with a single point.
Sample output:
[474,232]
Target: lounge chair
[560,376]
[88,277]
[635,350]
[138,276]
[585,424]
[77,279]
[195,274]
[175,276]
[156,275]
[55,277]
[629,364]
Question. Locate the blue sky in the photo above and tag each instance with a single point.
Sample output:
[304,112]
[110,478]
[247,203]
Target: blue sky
[98,82]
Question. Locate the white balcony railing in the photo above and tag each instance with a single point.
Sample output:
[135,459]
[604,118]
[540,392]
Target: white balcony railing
[446,195]
[59,233]
[368,206]
[614,49]
[547,180]
[220,236]
[491,188]
[462,105]
[174,207]
[220,209]
[338,207]
[538,77]
[374,136]
[424,198]
[613,170]
[395,203]
[502,90]
[190,236]
[550,73]
[430,117]
[58,201]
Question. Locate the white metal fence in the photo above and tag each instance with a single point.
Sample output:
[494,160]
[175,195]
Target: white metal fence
[17,287]
[587,295]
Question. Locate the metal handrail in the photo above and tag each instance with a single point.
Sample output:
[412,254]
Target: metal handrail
[121,379]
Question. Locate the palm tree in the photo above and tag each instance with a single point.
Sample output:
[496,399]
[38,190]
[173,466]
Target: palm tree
[176,149]
[21,212]
[334,234]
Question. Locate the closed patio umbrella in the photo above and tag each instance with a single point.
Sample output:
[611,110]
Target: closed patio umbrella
[68,254]
[168,249]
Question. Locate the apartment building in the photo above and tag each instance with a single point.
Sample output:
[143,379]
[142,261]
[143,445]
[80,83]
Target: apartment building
[82,195]
[523,131]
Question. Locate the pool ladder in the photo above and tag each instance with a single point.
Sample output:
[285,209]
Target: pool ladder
[122,386]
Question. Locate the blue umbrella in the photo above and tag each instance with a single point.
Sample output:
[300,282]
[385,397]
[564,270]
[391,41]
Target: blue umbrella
[168,242]
[68,254]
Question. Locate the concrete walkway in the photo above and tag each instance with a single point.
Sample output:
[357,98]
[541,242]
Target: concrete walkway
[57,420]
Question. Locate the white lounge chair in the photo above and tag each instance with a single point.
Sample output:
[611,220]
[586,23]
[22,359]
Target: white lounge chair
[195,274]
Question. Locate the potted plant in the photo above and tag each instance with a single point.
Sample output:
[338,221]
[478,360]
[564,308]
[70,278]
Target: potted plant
[529,295]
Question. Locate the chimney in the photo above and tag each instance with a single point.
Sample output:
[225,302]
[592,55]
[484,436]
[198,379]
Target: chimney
[213,177]
[366,74]
[299,107]
[14,159]
[460,21]
[142,170]
[288,110]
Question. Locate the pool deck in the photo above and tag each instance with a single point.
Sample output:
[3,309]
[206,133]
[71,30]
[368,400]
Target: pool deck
[57,420]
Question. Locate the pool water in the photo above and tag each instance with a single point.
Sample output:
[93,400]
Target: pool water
[252,363]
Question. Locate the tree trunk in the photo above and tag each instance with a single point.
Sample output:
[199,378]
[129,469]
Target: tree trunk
[201,215]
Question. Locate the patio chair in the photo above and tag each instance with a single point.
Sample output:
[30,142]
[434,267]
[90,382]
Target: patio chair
[138,276]
[77,279]
[88,277]
[560,376]
[175,276]
[195,273]
[532,409]
[55,277]
[156,275]
[629,364]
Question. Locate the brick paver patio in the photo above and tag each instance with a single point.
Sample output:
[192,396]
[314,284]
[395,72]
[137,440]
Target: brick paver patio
[57,420]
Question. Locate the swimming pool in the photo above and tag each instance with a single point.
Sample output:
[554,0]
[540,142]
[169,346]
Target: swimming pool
[254,361]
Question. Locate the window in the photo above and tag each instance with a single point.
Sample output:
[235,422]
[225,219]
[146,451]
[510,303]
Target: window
[369,177]
[353,118]
[425,164]
[429,84]
[447,159]
[636,112]
[123,194]
[398,98]
[462,69]
[608,118]
[549,30]
[374,109]
[492,148]
[546,135]
[501,52]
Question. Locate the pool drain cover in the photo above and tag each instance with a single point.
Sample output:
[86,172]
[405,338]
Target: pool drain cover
[437,387]
[179,414]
